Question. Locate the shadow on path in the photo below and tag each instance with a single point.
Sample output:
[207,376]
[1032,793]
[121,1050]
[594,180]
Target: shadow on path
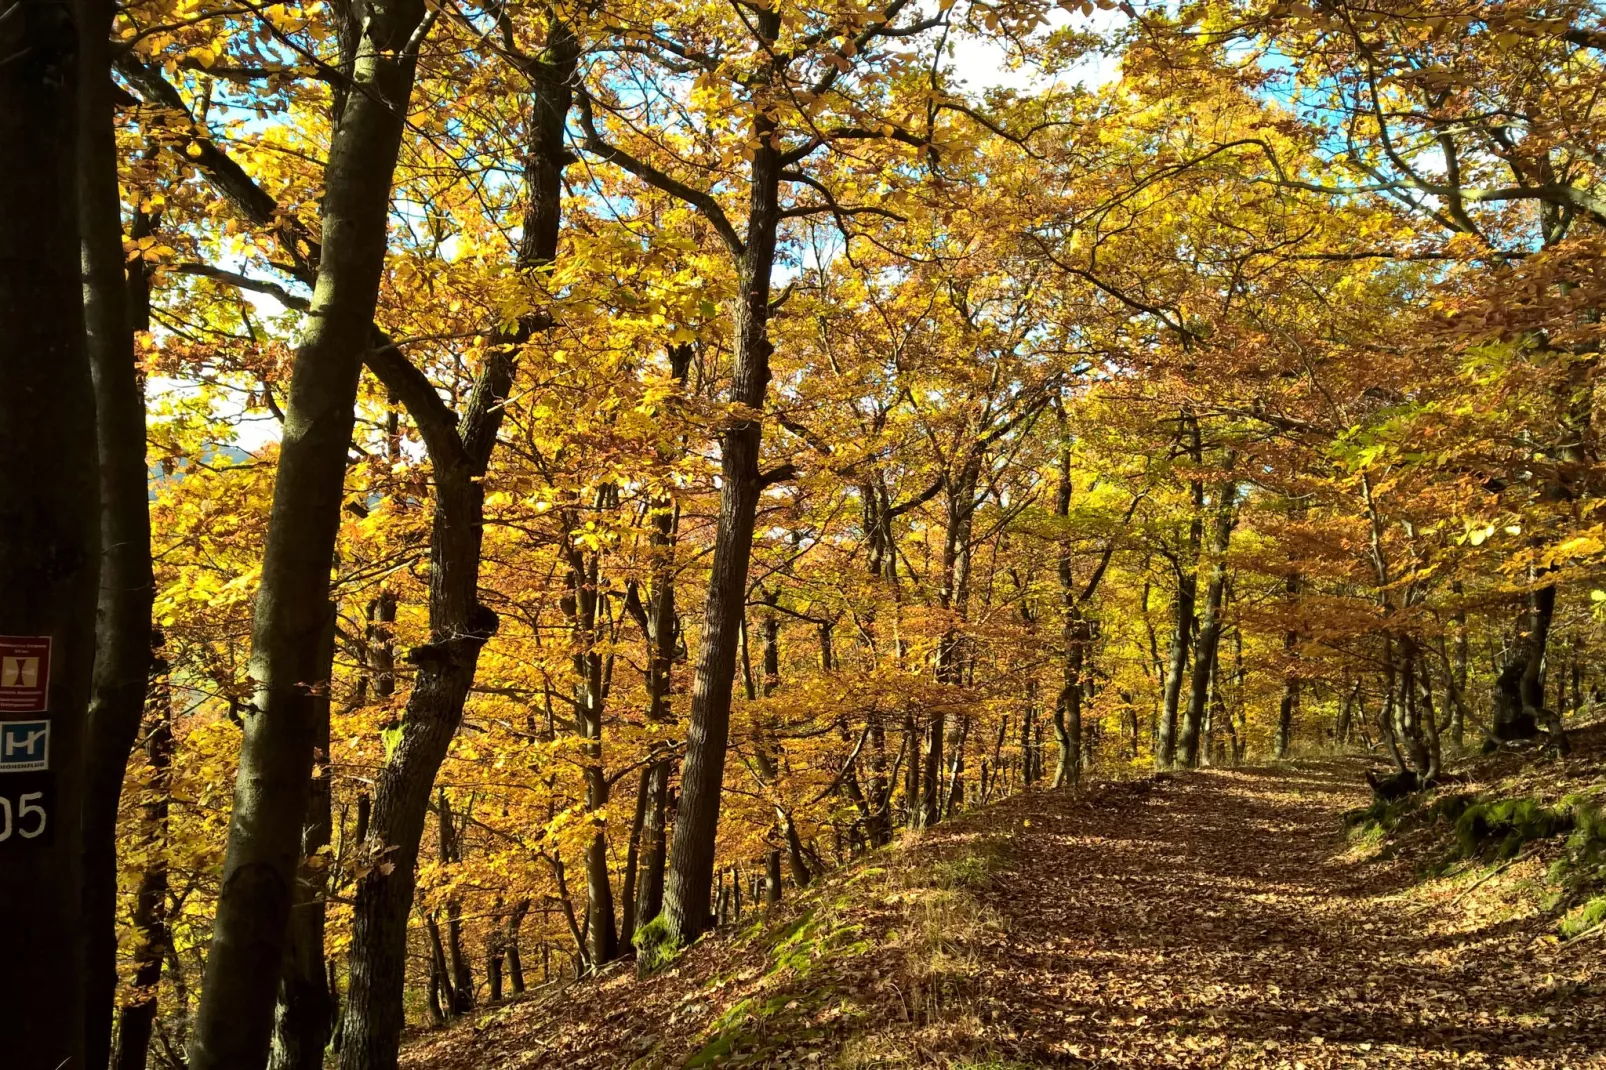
[1212,920]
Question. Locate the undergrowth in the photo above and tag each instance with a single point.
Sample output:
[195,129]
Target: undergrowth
[827,975]
[1444,830]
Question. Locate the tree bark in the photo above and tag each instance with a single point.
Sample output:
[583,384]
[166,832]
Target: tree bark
[660,633]
[270,799]
[49,530]
[959,513]
[136,1017]
[515,959]
[1289,705]
[1186,565]
[1204,646]
[123,613]
[459,625]
[304,1017]
[1073,637]
[691,872]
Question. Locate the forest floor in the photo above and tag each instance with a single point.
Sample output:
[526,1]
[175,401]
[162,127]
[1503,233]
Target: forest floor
[1217,918]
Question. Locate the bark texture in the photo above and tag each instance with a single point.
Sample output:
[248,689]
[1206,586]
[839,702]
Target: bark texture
[244,962]
[49,534]
[460,451]
[691,868]
[123,611]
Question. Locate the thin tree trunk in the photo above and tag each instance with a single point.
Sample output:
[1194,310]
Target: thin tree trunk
[1456,679]
[691,872]
[1073,635]
[1289,704]
[515,960]
[1204,647]
[123,614]
[439,980]
[1186,565]
[136,1017]
[305,1014]
[772,877]
[660,632]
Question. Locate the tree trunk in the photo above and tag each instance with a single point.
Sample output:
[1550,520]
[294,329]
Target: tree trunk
[660,658]
[136,1017]
[515,960]
[123,614]
[305,1014]
[440,983]
[1457,677]
[1186,565]
[1209,637]
[49,538]
[1289,705]
[270,800]
[960,510]
[691,873]
[627,893]
[459,625]
[1074,636]
[1176,668]
[772,877]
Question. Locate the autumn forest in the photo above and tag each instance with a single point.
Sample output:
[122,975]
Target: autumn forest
[504,489]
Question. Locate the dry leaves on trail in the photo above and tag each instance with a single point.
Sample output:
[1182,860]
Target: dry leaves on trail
[1212,919]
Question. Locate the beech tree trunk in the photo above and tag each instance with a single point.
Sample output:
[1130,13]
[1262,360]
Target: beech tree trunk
[270,798]
[691,870]
[1289,705]
[954,596]
[660,631]
[460,450]
[304,1017]
[49,526]
[515,959]
[123,613]
[1073,638]
[136,1017]
[1209,637]
[1186,566]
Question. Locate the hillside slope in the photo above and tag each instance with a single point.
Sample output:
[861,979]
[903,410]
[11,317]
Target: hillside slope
[1220,918]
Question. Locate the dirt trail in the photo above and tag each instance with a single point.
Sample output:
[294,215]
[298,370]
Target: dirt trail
[1216,919]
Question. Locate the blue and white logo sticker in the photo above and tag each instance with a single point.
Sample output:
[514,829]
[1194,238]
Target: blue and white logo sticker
[24,746]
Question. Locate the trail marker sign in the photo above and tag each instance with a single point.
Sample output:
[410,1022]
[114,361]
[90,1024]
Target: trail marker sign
[24,746]
[24,673]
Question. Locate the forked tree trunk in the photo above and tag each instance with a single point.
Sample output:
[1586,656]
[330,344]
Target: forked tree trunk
[460,450]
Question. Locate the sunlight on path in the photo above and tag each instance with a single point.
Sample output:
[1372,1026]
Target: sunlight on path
[1213,920]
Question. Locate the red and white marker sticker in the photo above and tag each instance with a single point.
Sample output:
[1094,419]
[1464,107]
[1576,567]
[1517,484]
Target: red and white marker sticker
[24,673]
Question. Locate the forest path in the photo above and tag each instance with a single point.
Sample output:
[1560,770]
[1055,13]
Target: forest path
[1218,919]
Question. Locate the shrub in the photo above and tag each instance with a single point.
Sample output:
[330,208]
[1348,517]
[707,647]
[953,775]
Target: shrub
[1583,919]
